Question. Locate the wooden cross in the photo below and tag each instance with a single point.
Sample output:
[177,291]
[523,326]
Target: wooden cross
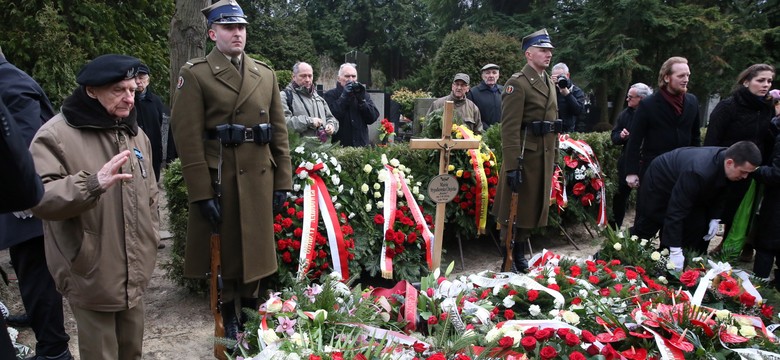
[444,145]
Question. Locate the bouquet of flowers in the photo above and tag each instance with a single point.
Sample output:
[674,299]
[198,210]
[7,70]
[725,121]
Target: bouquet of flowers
[583,177]
[305,245]
[630,249]
[386,130]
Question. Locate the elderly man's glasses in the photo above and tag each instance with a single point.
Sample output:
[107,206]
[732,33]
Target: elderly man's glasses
[629,97]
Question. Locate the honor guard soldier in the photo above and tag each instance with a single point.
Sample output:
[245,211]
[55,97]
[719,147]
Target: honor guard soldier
[529,138]
[231,136]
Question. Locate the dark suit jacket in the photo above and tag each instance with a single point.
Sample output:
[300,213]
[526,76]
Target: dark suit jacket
[656,129]
[25,109]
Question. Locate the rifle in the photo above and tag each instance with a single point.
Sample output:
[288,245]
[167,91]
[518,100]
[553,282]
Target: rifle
[515,179]
[215,292]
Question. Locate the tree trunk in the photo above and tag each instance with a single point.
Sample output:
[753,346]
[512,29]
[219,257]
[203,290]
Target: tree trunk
[602,99]
[187,37]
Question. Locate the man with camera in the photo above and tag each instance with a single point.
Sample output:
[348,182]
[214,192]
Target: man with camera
[571,99]
[350,104]
[465,109]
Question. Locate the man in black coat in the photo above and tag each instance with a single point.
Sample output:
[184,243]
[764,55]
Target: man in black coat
[151,113]
[620,135]
[487,96]
[352,106]
[664,121]
[571,99]
[682,190]
[20,232]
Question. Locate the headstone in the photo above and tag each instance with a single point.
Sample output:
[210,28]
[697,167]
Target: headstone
[378,97]
[421,106]
[363,65]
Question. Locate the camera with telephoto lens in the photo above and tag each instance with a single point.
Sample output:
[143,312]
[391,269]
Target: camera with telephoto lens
[358,87]
[563,81]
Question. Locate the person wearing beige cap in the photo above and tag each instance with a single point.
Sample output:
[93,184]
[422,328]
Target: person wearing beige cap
[466,112]
[487,96]
[529,140]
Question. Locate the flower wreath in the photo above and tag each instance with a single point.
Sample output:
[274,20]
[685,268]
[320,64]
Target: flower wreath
[583,174]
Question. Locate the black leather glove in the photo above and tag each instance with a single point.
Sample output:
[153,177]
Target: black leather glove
[515,177]
[348,87]
[279,198]
[210,210]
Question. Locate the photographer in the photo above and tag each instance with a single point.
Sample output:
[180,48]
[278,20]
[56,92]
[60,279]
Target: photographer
[571,99]
[352,107]
[304,109]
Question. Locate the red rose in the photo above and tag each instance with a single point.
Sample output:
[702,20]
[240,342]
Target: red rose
[572,339]
[576,355]
[291,211]
[593,279]
[554,287]
[314,357]
[418,347]
[277,228]
[578,189]
[592,350]
[614,262]
[548,352]
[530,331]
[296,245]
[747,299]
[506,342]
[592,268]
[528,343]
[433,320]
[461,357]
[576,301]
[588,337]
[379,219]
[509,314]
[411,238]
[575,270]
[360,357]
[299,215]
[429,292]
[618,287]
[512,292]
[337,356]
[437,356]
[689,278]
[543,334]
[631,275]
[533,295]
[604,292]
[297,232]
[443,316]
[287,257]
[767,311]
[286,223]
[466,174]
[729,288]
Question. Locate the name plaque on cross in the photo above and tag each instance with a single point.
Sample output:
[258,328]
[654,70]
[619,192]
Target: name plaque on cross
[443,188]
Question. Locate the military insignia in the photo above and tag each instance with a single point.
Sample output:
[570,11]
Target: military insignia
[509,89]
[180,83]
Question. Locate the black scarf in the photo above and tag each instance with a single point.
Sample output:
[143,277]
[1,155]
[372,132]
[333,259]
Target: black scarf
[83,112]
[751,101]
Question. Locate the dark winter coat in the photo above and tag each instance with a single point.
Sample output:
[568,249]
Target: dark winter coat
[623,122]
[151,111]
[22,187]
[742,116]
[656,129]
[527,97]
[768,221]
[488,100]
[211,92]
[28,107]
[678,182]
[570,107]
[354,115]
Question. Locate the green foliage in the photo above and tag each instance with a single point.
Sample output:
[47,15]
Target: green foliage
[178,210]
[277,30]
[406,97]
[283,77]
[466,51]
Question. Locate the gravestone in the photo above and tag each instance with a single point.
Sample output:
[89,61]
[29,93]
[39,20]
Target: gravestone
[421,106]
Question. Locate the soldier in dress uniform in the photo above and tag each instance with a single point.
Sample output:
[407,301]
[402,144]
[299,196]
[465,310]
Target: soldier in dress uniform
[230,132]
[530,128]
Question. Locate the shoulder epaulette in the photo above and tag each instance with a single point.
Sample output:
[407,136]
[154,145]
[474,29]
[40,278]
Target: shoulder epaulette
[261,63]
[194,61]
[517,74]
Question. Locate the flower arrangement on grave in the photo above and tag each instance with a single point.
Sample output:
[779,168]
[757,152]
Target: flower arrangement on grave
[306,246]
[386,130]
[388,203]
[583,179]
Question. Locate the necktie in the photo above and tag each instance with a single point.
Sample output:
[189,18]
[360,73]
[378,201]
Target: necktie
[236,63]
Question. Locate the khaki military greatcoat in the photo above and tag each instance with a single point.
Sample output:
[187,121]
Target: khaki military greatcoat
[211,92]
[527,97]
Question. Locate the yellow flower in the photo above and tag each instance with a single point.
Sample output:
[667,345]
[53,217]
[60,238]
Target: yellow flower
[459,173]
[450,167]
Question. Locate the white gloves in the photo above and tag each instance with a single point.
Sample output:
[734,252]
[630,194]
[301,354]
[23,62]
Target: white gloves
[714,223]
[26,214]
[677,258]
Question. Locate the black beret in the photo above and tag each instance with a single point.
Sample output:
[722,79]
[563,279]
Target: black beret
[108,69]
[143,69]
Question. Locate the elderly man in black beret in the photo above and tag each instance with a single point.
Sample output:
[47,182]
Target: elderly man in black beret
[99,209]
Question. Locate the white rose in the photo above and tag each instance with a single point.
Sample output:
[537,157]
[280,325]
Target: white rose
[337,206]
[296,187]
[333,161]
[583,293]
[634,237]
[383,175]
[516,335]
[508,302]
[380,204]
[367,169]
[309,165]
[571,317]
[299,339]
[747,331]
[493,334]
[338,167]
[733,330]
[269,336]
[334,198]
[665,252]
[351,215]
[303,174]
[697,259]
[394,162]
[662,279]
[643,242]
[722,314]
[335,179]
[377,186]
[670,265]
[551,280]
[416,190]
[364,188]
[377,194]
[402,167]
[655,256]
[299,150]
[534,310]
[421,197]
[399,193]
[341,188]
[368,207]
[617,246]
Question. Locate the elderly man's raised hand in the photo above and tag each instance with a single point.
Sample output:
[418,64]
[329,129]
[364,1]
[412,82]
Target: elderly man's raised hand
[109,174]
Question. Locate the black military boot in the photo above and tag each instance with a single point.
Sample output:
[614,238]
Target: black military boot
[246,304]
[229,320]
[519,262]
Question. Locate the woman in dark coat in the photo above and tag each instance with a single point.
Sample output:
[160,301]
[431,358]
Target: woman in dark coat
[744,115]
[767,242]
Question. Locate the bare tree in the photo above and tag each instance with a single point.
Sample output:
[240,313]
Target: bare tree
[187,37]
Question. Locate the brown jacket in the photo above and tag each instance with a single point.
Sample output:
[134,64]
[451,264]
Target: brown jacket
[101,247]
[527,98]
[211,92]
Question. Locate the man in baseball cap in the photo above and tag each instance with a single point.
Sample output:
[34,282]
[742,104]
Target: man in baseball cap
[466,112]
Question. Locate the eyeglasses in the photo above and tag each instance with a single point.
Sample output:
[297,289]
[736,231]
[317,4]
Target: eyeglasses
[629,97]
